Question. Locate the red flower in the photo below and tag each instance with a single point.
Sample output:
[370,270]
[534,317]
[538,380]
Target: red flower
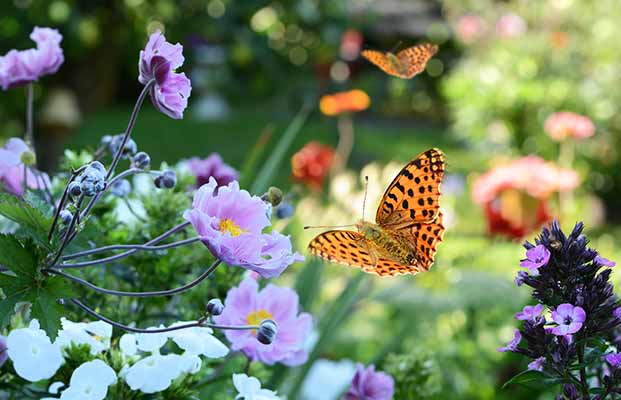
[312,163]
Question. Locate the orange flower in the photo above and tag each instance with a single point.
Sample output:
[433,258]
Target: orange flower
[352,101]
[312,163]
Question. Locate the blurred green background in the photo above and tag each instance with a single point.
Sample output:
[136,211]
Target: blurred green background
[503,67]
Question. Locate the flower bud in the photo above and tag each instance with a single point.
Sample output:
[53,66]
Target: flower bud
[273,196]
[167,180]
[65,217]
[121,188]
[141,160]
[92,180]
[105,140]
[74,189]
[284,210]
[129,149]
[98,166]
[267,331]
[215,307]
[28,158]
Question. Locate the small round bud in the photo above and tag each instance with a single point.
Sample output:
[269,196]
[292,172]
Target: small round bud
[92,179]
[284,210]
[129,149]
[98,166]
[167,180]
[215,307]
[28,158]
[273,196]
[65,217]
[141,160]
[105,140]
[75,189]
[267,331]
[121,188]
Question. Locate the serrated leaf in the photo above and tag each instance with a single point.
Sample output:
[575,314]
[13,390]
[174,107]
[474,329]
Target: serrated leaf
[45,305]
[17,258]
[15,290]
[32,222]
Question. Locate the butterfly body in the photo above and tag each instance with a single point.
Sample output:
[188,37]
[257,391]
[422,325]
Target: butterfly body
[407,229]
[405,64]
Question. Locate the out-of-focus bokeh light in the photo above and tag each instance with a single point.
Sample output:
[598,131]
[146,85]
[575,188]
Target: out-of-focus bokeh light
[216,8]
[89,31]
[352,101]
[298,55]
[263,19]
[155,25]
[435,67]
[59,11]
[339,71]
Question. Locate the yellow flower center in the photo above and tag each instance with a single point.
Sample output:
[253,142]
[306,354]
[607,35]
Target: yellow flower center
[227,225]
[255,318]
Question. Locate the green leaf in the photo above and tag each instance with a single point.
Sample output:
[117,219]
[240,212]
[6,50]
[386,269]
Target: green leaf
[266,174]
[526,377]
[15,290]
[17,258]
[45,305]
[32,221]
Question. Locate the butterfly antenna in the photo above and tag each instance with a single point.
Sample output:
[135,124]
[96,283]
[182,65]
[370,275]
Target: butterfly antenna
[394,49]
[328,226]
[364,200]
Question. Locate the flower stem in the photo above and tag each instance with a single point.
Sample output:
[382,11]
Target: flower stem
[131,246]
[63,199]
[158,239]
[159,293]
[75,220]
[200,323]
[584,386]
[29,118]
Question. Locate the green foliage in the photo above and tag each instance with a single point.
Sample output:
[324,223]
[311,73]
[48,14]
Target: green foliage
[32,221]
[416,376]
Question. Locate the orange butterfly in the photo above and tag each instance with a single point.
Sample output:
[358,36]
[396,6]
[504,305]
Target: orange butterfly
[405,64]
[408,225]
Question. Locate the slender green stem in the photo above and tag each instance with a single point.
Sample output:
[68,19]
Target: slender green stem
[584,385]
[131,246]
[29,118]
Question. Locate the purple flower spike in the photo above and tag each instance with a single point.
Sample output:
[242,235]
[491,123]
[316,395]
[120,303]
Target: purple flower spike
[230,222]
[537,364]
[247,305]
[530,312]
[614,359]
[158,61]
[513,344]
[520,277]
[536,258]
[369,384]
[212,166]
[20,67]
[604,261]
[568,318]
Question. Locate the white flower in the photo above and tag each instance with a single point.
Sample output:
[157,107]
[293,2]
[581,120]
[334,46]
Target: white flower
[198,341]
[190,363]
[34,356]
[328,379]
[90,381]
[151,341]
[128,345]
[54,387]
[154,373]
[249,388]
[95,334]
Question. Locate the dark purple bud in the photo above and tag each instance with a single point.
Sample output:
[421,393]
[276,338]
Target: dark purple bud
[74,189]
[129,149]
[167,180]
[141,160]
[267,331]
[570,391]
[284,210]
[121,188]
[65,217]
[92,179]
[98,166]
[215,307]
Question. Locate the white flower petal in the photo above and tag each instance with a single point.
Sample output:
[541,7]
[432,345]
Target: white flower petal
[90,381]
[249,387]
[34,356]
[127,344]
[151,341]
[154,373]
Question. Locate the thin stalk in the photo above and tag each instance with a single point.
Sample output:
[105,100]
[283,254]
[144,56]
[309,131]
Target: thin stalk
[131,246]
[131,209]
[200,323]
[158,239]
[159,293]
[584,386]
[67,238]
[29,118]
[63,199]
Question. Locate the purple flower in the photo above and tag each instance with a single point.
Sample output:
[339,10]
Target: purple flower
[12,168]
[568,318]
[536,257]
[537,364]
[520,277]
[617,312]
[604,261]
[246,305]
[212,166]
[158,61]
[368,384]
[513,344]
[530,312]
[19,67]
[230,222]
[614,359]
[3,351]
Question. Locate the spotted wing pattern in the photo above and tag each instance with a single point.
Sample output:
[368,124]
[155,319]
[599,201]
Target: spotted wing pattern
[381,60]
[425,238]
[415,58]
[351,248]
[414,194]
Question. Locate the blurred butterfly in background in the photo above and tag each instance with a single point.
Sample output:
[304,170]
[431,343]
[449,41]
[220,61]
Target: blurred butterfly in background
[408,225]
[405,64]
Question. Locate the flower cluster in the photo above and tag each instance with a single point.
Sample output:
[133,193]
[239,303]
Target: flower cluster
[572,281]
[369,384]
[515,195]
[344,102]
[20,67]
[16,160]
[212,167]
[312,163]
[565,124]
[246,304]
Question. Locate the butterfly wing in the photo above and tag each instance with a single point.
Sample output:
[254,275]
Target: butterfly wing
[381,60]
[414,194]
[416,57]
[351,248]
[424,239]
